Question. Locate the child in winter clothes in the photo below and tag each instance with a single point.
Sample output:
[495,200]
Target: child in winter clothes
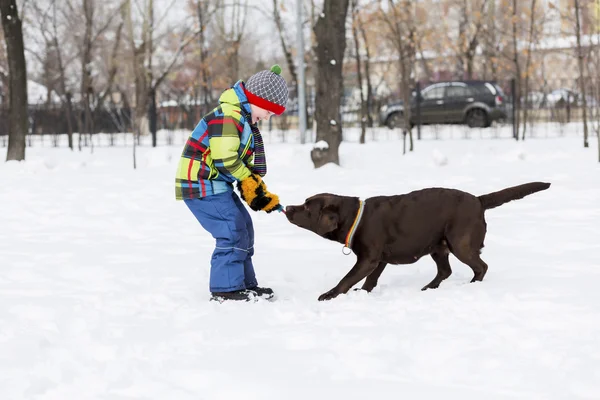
[224,149]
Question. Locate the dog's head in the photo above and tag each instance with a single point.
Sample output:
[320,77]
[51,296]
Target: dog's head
[322,213]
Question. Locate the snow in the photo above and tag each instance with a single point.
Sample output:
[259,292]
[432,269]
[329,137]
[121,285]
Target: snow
[332,61]
[439,158]
[321,145]
[104,283]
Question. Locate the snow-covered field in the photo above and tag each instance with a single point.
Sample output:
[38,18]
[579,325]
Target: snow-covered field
[104,282]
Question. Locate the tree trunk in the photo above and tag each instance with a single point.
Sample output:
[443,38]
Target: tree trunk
[69,108]
[66,96]
[203,20]
[232,25]
[597,91]
[580,59]
[400,20]
[152,115]
[289,57]
[140,118]
[368,74]
[330,31]
[407,52]
[462,41]
[86,67]
[151,94]
[363,105]
[517,92]
[424,63]
[528,64]
[470,49]
[17,71]
[286,51]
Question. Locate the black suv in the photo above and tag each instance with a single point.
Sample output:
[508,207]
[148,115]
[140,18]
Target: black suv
[475,103]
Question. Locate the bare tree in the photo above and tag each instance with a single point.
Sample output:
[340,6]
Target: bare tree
[517,65]
[79,31]
[594,72]
[285,47]
[231,25]
[147,75]
[330,34]
[527,77]
[139,121]
[287,51]
[17,72]
[87,24]
[580,64]
[367,62]
[400,20]
[573,15]
[357,57]
[491,43]
[205,10]
[86,89]
[50,24]
[470,28]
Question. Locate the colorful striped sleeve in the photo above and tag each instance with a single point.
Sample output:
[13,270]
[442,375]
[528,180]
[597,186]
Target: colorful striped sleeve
[224,140]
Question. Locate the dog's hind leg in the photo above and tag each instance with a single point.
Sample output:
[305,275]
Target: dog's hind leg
[373,277]
[443,268]
[466,245]
[474,261]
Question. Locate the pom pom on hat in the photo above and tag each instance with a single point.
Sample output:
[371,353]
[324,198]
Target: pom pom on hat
[276,69]
[267,89]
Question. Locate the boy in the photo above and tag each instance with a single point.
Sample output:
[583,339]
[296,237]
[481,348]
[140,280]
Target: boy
[226,148]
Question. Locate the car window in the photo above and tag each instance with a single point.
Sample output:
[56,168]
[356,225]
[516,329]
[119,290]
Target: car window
[483,90]
[499,90]
[434,93]
[458,91]
[491,88]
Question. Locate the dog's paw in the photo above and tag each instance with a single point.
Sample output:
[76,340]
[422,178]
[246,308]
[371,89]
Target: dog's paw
[367,288]
[332,294]
[431,285]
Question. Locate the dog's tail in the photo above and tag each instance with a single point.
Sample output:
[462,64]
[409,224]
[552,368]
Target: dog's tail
[495,199]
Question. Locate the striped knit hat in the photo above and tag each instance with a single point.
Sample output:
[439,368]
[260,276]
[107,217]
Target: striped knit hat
[267,89]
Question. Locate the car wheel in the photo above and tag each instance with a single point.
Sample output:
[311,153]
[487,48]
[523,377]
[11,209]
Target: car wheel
[477,118]
[394,120]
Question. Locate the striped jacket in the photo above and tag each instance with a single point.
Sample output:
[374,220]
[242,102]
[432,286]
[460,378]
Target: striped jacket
[219,151]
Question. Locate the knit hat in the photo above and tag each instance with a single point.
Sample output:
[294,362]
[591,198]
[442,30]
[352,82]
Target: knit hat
[267,89]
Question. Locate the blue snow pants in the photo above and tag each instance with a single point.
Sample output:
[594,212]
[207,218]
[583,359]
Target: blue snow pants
[224,216]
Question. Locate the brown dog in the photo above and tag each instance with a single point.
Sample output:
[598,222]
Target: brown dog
[401,229]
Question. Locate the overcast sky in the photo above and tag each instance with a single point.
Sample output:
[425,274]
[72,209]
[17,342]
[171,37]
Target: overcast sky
[259,26]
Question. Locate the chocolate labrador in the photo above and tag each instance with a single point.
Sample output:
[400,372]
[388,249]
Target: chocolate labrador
[401,229]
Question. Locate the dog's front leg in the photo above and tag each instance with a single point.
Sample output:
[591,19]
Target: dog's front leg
[361,269]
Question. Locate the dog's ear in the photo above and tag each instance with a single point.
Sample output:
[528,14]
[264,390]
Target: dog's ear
[328,221]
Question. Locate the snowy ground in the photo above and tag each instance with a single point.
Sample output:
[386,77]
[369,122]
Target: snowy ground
[104,282]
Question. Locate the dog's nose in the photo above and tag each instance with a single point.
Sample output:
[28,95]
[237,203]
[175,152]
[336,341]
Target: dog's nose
[290,210]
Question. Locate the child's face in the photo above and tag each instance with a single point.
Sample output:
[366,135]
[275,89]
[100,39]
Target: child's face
[260,114]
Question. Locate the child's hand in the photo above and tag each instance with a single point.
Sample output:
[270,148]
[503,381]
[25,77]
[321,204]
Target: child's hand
[255,193]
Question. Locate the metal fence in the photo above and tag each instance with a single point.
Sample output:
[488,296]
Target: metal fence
[539,106]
